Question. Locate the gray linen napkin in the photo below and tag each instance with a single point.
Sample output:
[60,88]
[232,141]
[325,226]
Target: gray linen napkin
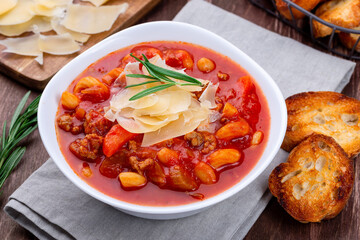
[50,206]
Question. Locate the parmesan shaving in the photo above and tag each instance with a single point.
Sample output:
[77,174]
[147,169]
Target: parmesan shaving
[42,10]
[58,44]
[162,115]
[27,46]
[7,5]
[91,20]
[53,3]
[36,24]
[97,3]
[60,29]
[21,13]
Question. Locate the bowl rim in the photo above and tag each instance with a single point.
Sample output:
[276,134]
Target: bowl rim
[145,209]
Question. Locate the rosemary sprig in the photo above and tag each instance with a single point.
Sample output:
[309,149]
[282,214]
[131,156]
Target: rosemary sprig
[21,125]
[160,75]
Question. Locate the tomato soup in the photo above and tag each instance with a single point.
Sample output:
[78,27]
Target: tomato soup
[181,170]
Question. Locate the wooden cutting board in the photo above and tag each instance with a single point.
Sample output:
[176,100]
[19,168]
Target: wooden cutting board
[29,72]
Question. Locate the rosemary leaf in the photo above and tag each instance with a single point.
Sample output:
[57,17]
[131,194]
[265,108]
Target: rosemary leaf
[140,76]
[139,84]
[159,74]
[151,90]
[20,127]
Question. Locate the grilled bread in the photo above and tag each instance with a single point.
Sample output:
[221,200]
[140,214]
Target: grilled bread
[343,13]
[329,113]
[305,4]
[315,182]
[349,39]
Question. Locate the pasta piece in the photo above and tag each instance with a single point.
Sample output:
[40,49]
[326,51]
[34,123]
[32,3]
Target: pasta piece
[7,5]
[21,13]
[91,20]
[27,46]
[60,29]
[58,44]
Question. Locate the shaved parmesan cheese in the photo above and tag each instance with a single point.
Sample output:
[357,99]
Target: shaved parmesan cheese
[162,115]
[7,5]
[53,3]
[27,46]
[21,13]
[91,20]
[36,24]
[60,29]
[96,2]
[40,59]
[42,10]
[58,44]
[172,130]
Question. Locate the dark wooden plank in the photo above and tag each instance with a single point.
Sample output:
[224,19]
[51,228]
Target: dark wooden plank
[274,223]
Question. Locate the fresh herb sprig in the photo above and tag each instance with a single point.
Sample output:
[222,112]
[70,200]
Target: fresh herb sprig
[160,75]
[21,125]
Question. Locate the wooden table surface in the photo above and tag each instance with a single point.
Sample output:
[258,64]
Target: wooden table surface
[274,223]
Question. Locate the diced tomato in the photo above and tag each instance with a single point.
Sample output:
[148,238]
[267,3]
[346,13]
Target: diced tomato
[246,84]
[179,58]
[115,139]
[149,52]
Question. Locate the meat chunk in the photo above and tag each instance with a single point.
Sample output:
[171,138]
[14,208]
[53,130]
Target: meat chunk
[96,123]
[196,139]
[141,152]
[112,166]
[69,123]
[87,148]
[140,166]
[207,142]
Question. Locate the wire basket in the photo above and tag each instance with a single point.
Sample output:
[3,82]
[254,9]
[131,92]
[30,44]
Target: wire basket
[304,26]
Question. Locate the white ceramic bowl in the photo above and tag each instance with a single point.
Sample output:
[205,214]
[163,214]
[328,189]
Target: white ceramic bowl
[172,31]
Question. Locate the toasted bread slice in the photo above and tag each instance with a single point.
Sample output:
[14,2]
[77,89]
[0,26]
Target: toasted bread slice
[305,4]
[315,182]
[343,13]
[329,113]
[349,39]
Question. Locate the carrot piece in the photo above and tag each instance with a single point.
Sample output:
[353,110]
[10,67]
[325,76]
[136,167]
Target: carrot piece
[111,76]
[115,139]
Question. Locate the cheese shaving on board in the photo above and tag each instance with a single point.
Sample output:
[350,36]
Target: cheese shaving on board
[91,20]
[58,44]
[21,13]
[27,46]
[162,115]
[53,3]
[7,5]
[42,10]
[97,3]
[60,29]
[36,24]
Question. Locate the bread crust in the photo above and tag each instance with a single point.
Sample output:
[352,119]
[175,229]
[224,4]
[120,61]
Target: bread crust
[305,4]
[316,181]
[343,13]
[329,113]
[349,39]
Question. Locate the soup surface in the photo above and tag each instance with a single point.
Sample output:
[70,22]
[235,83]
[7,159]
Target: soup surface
[181,170]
